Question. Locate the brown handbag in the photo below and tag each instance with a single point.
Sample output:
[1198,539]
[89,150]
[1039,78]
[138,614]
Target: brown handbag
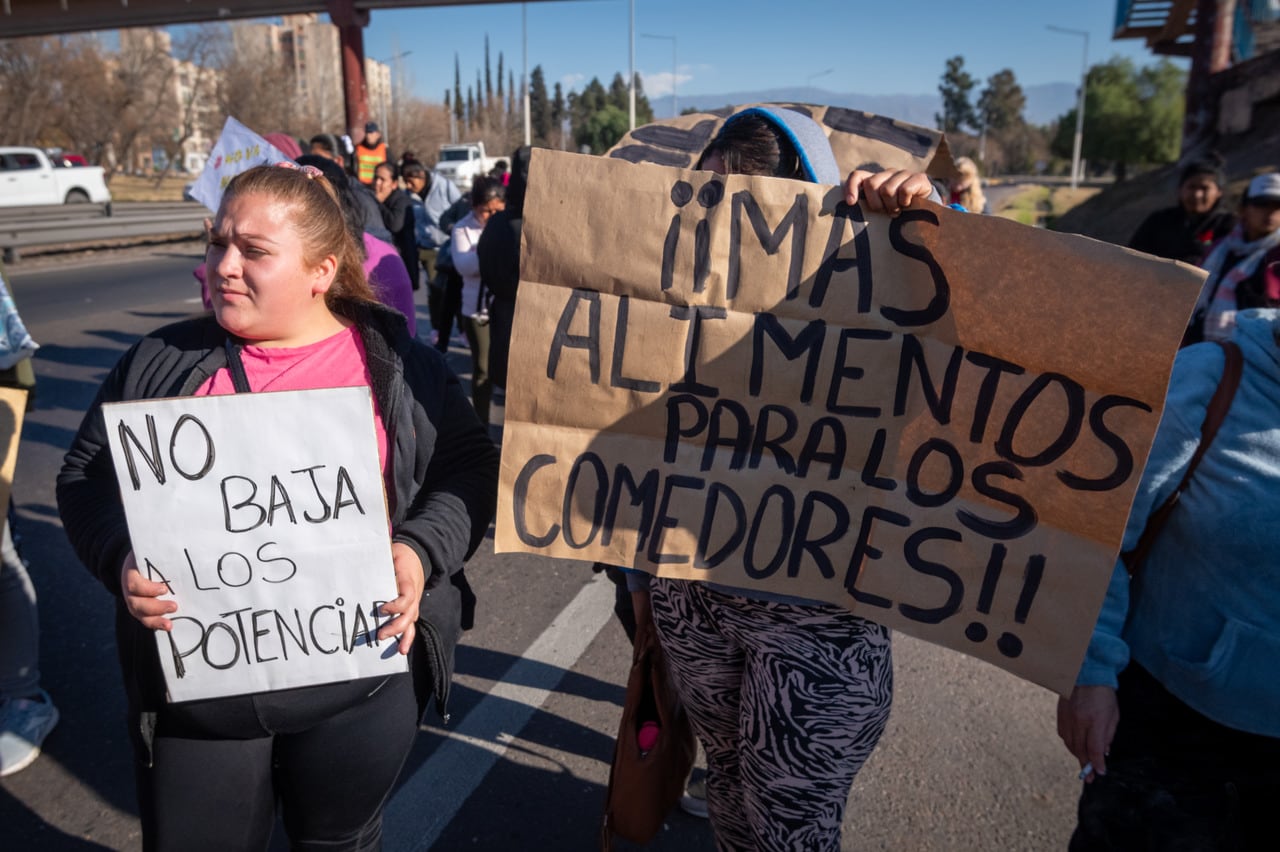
[644,787]
[1219,404]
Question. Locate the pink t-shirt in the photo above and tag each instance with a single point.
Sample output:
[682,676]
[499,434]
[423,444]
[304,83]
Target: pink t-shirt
[337,361]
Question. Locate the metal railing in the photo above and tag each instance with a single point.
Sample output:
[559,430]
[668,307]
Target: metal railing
[87,224]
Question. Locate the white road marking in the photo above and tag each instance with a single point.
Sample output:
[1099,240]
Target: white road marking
[428,799]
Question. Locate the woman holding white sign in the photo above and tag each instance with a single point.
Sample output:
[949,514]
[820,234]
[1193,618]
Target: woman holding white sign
[292,311]
[788,696]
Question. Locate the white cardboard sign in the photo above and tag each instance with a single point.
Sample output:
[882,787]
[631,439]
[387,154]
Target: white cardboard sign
[266,515]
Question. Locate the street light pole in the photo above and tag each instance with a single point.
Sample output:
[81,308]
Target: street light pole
[524,74]
[388,93]
[1084,79]
[631,80]
[675,106]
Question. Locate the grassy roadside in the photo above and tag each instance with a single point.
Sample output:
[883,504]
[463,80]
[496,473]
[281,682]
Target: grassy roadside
[1040,205]
[133,188]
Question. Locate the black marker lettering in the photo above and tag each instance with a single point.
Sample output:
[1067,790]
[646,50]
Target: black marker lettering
[589,341]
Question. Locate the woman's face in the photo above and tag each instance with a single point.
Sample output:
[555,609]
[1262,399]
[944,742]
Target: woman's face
[383,183]
[262,286]
[1198,194]
[484,211]
[415,182]
[1259,218]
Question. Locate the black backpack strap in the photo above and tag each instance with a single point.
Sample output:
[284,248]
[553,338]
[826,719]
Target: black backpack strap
[236,367]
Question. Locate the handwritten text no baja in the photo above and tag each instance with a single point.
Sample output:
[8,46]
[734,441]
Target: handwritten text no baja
[265,516]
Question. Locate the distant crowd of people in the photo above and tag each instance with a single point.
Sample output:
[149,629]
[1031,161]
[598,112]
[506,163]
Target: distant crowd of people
[310,276]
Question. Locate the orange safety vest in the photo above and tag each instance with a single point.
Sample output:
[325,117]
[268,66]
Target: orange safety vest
[368,160]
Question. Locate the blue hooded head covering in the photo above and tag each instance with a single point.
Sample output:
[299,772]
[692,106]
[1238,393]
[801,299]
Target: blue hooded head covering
[804,134]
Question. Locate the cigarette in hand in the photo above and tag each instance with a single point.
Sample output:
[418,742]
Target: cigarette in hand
[1086,771]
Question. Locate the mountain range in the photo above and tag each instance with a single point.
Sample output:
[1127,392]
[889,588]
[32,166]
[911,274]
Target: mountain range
[1045,102]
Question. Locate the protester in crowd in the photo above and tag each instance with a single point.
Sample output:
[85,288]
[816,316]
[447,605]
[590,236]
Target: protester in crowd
[370,151]
[448,282]
[487,198]
[749,665]
[966,187]
[396,207]
[1175,718]
[498,251]
[293,308]
[438,195]
[1244,268]
[326,145]
[1187,230]
[382,264]
[27,713]
[501,172]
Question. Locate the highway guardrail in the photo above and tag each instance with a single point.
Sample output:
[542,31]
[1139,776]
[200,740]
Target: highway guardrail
[85,224]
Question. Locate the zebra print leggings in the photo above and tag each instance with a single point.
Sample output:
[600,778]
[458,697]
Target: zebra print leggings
[788,700]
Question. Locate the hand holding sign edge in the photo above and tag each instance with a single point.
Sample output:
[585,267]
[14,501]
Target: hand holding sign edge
[890,191]
[410,582]
[141,596]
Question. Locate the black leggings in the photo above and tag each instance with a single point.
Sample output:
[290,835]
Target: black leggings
[331,775]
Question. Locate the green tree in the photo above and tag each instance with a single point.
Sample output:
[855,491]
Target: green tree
[603,129]
[592,99]
[957,107]
[1001,103]
[1131,116]
[488,77]
[539,108]
[618,94]
[559,112]
[457,90]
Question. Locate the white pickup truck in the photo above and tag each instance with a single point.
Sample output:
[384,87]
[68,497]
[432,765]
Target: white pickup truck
[463,163]
[28,177]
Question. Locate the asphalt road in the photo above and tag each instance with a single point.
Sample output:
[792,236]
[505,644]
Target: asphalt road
[969,761]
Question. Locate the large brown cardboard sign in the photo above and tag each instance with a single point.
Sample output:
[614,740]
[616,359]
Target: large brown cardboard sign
[936,420]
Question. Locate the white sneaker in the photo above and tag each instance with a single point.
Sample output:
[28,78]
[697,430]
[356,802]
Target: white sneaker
[24,723]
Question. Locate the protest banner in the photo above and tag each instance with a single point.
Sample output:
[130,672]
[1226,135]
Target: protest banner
[936,420]
[238,149]
[13,403]
[265,514]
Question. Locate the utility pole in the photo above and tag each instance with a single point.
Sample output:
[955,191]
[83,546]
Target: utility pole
[1084,79]
[524,74]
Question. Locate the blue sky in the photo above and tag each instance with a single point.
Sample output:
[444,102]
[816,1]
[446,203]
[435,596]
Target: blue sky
[863,46]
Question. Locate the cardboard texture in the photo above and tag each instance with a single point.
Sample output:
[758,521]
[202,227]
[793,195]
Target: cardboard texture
[273,540]
[860,140]
[937,421]
[13,405]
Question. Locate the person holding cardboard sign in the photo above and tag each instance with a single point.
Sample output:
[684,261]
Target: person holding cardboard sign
[788,695]
[292,311]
